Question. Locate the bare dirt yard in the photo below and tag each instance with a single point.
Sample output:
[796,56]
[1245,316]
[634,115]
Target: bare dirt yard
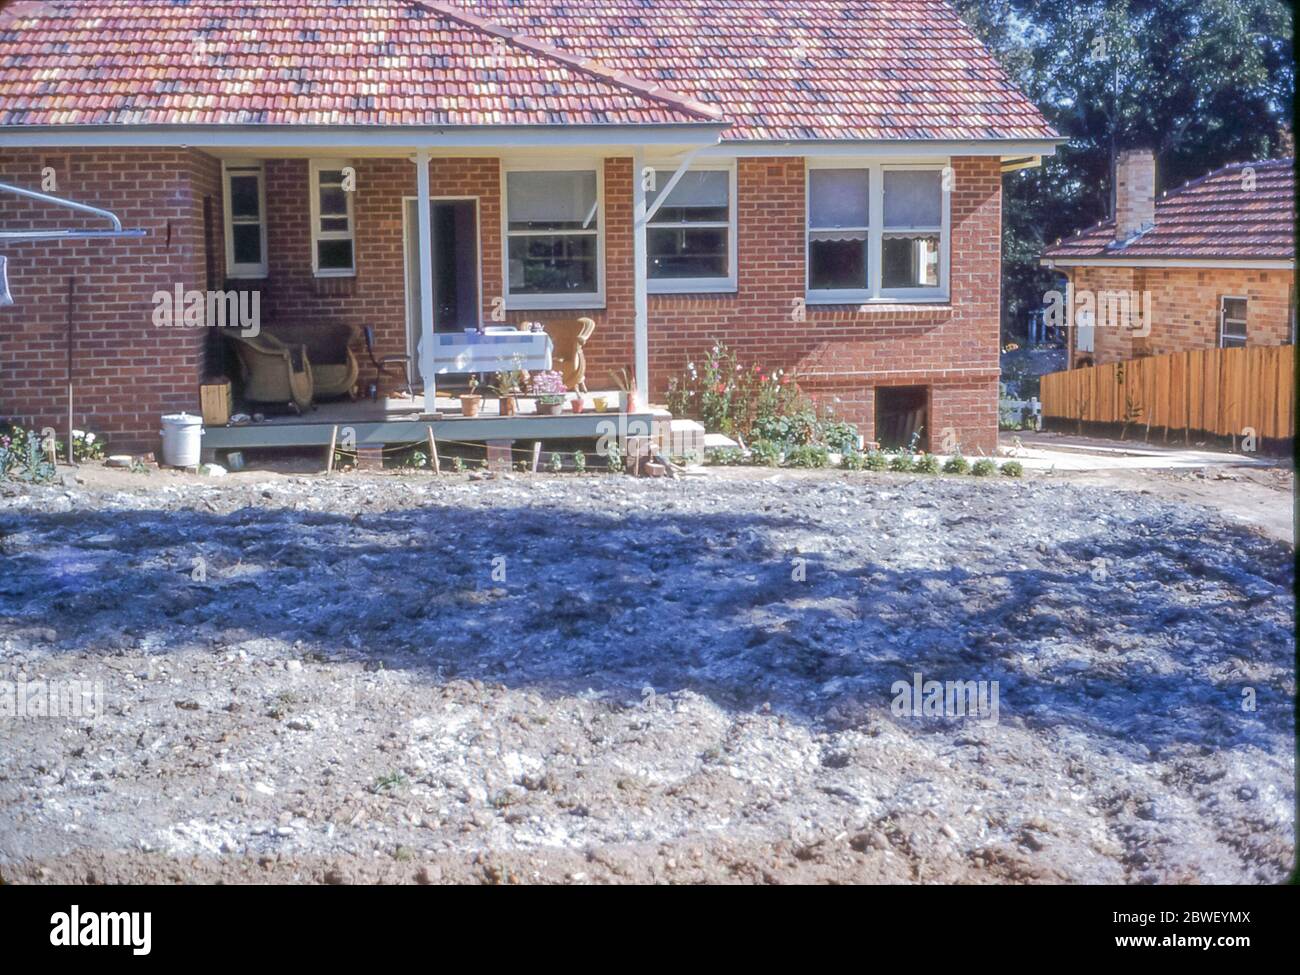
[596,679]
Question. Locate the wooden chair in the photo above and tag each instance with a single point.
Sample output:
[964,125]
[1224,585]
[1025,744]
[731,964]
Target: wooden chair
[568,336]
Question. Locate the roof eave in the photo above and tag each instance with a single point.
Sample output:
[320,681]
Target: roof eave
[1185,261]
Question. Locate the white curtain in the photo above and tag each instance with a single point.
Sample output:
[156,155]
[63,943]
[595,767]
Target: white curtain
[913,198]
[550,196]
[707,188]
[838,198]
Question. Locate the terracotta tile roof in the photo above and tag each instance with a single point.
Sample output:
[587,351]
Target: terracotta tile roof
[774,69]
[305,62]
[1215,217]
[785,70]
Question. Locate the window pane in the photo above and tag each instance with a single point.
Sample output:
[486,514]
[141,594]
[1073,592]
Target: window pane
[244,197]
[913,198]
[553,265]
[551,200]
[688,253]
[330,225]
[247,241]
[334,255]
[333,201]
[910,261]
[838,263]
[670,214]
[1234,308]
[837,197]
[710,190]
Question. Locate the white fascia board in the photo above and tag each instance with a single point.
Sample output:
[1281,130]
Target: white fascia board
[1191,263]
[1006,149]
[403,138]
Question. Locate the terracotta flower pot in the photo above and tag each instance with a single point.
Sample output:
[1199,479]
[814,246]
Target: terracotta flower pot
[469,404]
[576,404]
[508,406]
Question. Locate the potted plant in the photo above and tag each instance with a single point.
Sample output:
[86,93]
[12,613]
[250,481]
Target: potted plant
[629,401]
[576,403]
[548,386]
[507,387]
[471,401]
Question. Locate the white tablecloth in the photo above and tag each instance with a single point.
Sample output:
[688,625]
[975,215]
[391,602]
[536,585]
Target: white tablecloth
[497,351]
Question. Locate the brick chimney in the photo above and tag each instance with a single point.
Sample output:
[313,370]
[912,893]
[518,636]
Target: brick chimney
[1135,192]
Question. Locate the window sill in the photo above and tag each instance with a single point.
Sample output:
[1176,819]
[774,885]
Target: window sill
[246,275]
[556,303]
[336,274]
[883,306]
[691,288]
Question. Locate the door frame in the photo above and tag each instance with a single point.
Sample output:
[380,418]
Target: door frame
[406,260]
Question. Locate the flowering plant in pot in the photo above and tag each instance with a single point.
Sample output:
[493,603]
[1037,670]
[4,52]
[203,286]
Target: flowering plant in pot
[548,386]
[471,401]
[507,387]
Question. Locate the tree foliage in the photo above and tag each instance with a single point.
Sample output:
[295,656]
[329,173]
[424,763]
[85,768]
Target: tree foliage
[1204,83]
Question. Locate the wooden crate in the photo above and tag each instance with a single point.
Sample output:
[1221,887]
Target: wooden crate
[214,397]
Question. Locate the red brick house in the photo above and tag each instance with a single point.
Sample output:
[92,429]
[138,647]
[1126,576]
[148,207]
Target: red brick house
[830,177]
[1210,264]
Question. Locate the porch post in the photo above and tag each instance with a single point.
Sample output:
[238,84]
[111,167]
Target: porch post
[425,259]
[640,324]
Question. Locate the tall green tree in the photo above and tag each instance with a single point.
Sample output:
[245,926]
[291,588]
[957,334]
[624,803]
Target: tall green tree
[1201,82]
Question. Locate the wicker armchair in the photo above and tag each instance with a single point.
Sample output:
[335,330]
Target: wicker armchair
[273,372]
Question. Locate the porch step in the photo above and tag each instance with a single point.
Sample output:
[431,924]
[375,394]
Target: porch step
[680,438]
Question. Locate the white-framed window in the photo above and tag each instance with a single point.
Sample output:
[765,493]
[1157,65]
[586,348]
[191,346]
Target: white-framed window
[244,206]
[554,238]
[691,239]
[333,227]
[877,231]
[1232,322]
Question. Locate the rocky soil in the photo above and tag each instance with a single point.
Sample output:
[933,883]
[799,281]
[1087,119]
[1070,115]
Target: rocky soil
[594,679]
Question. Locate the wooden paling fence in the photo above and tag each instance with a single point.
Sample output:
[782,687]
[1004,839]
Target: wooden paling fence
[1224,392]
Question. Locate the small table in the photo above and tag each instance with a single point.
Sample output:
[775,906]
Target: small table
[494,351]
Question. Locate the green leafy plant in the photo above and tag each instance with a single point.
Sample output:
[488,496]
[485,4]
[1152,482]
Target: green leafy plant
[927,463]
[765,453]
[956,464]
[876,461]
[1012,468]
[579,461]
[458,465]
[853,460]
[731,456]
[24,457]
[983,467]
[87,446]
[807,455]
[614,459]
[839,435]
[901,463]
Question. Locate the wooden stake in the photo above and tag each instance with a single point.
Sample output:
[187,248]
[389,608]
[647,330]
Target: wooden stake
[433,452]
[329,461]
[537,454]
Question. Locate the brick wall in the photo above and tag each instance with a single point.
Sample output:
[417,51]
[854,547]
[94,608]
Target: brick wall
[126,371]
[1185,307]
[841,353]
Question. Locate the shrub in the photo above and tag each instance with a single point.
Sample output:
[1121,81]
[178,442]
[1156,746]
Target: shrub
[1013,468]
[579,461]
[557,463]
[927,464]
[614,459]
[956,464]
[901,463]
[725,455]
[983,467]
[807,455]
[839,435]
[765,453]
[853,460]
[876,461]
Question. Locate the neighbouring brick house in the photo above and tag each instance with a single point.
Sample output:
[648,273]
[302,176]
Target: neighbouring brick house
[831,177]
[1216,256]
